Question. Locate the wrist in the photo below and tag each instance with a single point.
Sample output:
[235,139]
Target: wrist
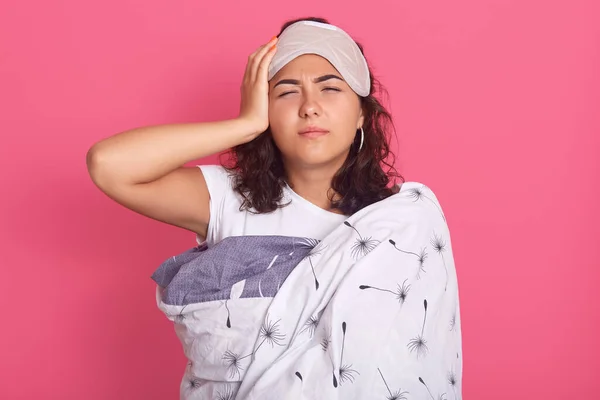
[248,128]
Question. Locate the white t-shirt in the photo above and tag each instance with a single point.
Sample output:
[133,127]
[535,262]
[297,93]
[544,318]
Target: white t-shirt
[299,218]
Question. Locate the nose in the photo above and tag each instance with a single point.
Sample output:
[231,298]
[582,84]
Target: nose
[310,106]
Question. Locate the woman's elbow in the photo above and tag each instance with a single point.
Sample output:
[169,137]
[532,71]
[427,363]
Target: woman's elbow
[99,167]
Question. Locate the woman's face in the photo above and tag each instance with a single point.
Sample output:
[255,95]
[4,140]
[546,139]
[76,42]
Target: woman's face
[310,94]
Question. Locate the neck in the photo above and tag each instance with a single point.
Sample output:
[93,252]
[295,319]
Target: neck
[313,184]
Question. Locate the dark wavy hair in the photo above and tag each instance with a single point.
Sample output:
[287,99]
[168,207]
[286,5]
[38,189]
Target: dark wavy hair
[365,177]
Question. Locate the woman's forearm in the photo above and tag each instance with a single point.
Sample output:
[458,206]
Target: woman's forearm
[144,154]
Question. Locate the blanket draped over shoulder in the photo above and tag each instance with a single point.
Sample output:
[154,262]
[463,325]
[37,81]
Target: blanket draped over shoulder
[369,312]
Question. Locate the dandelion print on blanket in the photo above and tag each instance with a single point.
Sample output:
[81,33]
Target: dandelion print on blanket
[419,344]
[397,395]
[345,371]
[400,293]
[363,245]
[369,311]
[314,250]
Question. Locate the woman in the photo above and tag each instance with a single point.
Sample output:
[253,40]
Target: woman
[309,169]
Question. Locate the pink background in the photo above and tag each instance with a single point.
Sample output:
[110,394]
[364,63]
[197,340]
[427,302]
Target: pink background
[497,109]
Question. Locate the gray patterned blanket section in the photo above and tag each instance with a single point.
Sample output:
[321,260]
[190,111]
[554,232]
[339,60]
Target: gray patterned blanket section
[199,275]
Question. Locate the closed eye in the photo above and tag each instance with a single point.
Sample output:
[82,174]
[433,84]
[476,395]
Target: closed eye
[333,89]
[284,93]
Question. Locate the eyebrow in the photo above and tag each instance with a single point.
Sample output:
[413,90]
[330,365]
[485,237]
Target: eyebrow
[316,80]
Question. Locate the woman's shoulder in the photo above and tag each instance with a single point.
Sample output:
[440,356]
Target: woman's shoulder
[217,177]
[415,188]
[215,170]
[420,195]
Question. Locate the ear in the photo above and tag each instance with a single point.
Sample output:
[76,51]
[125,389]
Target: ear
[361,119]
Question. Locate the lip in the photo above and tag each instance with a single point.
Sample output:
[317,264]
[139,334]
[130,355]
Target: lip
[313,131]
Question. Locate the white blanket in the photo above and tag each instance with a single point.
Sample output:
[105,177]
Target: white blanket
[369,312]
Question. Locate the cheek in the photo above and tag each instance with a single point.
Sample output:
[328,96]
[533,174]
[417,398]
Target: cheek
[344,116]
[282,118]
[278,125]
[283,141]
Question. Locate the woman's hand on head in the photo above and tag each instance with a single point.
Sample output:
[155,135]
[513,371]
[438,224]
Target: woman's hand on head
[254,108]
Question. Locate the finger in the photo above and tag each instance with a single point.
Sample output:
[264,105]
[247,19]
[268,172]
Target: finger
[263,69]
[246,78]
[268,44]
[248,75]
[259,56]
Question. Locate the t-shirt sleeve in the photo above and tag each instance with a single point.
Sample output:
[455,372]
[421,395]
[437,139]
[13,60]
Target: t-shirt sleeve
[220,189]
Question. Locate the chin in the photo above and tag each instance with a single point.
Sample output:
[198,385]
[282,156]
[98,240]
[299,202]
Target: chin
[316,159]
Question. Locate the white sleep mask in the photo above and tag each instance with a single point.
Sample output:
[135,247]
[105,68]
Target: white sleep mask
[329,42]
